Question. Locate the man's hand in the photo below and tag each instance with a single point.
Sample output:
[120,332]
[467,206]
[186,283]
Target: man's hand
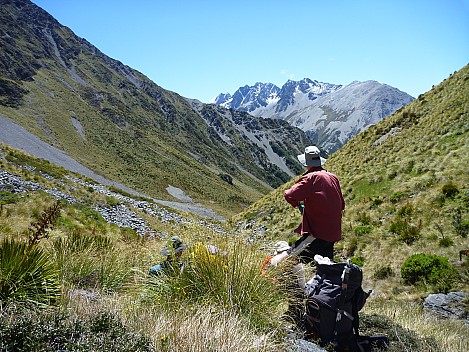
[277,258]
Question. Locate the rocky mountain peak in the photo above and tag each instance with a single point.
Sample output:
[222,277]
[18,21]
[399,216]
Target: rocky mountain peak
[329,113]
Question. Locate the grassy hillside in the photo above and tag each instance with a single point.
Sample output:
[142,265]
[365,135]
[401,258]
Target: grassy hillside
[94,275]
[406,186]
[72,281]
[120,124]
[83,283]
[405,181]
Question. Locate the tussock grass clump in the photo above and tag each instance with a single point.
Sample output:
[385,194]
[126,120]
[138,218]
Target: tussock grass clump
[27,274]
[95,262]
[228,280]
[183,328]
[210,329]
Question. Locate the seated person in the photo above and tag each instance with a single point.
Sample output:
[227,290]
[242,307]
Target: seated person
[173,251]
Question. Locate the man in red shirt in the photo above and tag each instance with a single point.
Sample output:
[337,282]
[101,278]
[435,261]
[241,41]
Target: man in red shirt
[318,195]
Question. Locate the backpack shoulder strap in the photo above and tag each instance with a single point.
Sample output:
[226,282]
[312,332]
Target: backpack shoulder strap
[345,279]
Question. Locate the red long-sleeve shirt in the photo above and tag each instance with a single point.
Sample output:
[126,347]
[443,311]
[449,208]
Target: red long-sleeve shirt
[323,200]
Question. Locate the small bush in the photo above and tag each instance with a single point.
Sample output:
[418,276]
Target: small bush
[392,175]
[364,218]
[461,226]
[445,242]
[408,233]
[449,190]
[383,272]
[403,227]
[112,201]
[362,230]
[406,211]
[376,202]
[358,261]
[352,246]
[429,269]
[397,196]
[7,197]
[408,167]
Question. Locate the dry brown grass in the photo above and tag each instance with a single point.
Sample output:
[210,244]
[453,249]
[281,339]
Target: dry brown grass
[451,334]
[184,329]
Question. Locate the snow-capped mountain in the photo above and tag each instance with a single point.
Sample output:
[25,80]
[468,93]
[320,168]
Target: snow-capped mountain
[330,114]
[268,100]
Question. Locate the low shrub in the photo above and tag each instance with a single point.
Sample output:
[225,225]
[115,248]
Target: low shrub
[351,246]
[358,261]
[7,197]
[24,329]
[383,272]
[376,202]
[403,227]
[362,230]
[364,218]
[449,190]
[430,269]
[397,196]
[408,232]
[406,210]
[445,242]
[112,201]
[461,226]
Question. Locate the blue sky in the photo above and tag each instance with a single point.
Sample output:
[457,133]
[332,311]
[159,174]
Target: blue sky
[202,48]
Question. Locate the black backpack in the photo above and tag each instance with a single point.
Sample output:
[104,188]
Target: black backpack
[334,296]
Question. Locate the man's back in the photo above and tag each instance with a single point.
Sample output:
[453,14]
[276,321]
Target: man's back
[323,204]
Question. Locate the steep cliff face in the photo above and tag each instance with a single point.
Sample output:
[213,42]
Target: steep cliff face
[120,124]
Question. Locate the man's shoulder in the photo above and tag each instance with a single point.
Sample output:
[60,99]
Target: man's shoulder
[320,173]
[323,174]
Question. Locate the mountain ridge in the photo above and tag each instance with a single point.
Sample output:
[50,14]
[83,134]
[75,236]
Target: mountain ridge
[317,108]
[117,122]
